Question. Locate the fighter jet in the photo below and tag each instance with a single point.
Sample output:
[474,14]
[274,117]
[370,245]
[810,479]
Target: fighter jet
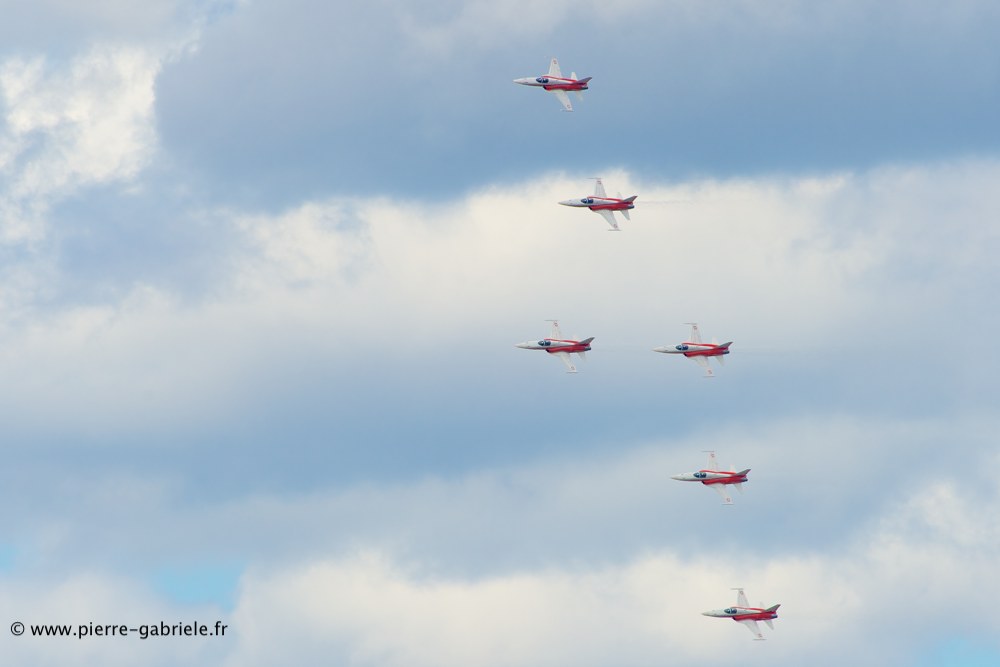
[697,350]
[747,615]
[716,479]
[555,83]
[559,346]
[601,203]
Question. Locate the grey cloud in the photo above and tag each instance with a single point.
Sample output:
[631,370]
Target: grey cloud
[397,101]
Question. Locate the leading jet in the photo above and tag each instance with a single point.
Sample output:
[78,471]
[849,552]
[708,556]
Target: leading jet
[745,614]
[601,203]
[716,479]
[698,351]
[556,84]
[559,346]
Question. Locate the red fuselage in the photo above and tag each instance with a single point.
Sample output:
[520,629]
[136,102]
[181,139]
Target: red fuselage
[555,83]
[754,614]
[567,346]
[611,205]
[706,350]
[728,479]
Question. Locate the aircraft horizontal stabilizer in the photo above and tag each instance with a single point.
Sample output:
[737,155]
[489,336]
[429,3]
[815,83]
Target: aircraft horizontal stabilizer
[770,624]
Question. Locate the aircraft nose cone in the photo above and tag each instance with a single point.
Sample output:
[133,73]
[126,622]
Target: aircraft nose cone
[679,478]
[569,202]
[707,613]
[523,346]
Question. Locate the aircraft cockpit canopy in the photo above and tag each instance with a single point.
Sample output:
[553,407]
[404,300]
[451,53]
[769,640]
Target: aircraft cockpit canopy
[701,475]
[731,611]
[544,343]
[542,79]
[586,200]
[682,347]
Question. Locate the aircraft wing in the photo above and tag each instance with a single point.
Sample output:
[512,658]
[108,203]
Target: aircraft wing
[726,498]
[554,69]
[564,357]
[695,334]
[610,217]
[713,463]
[599,189]
[563,98]
[753,628]
[703,362]
[555,333]
[741,598]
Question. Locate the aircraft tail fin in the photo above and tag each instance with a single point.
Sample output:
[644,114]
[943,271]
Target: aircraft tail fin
[774,608]
[587,341]
[743,473]
[726,345]
[631,199]
[583,81]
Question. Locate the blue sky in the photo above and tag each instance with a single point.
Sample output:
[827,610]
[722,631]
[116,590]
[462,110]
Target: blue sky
[263,268]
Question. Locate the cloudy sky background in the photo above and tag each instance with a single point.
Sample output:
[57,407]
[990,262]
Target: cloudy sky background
[263,267]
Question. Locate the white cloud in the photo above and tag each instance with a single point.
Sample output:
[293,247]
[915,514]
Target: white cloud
[418,574]
[804,265]
[88,123]
[881,599]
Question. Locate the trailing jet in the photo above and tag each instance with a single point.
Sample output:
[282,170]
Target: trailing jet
[747,615]
[559,346]
[555,83]
[697,350]
[716,479]
[601,203]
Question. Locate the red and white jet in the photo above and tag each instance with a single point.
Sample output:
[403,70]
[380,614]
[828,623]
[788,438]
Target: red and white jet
[555,83]
[601,203]
[747,615]
[697,350]
[714,478]
[559,346]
